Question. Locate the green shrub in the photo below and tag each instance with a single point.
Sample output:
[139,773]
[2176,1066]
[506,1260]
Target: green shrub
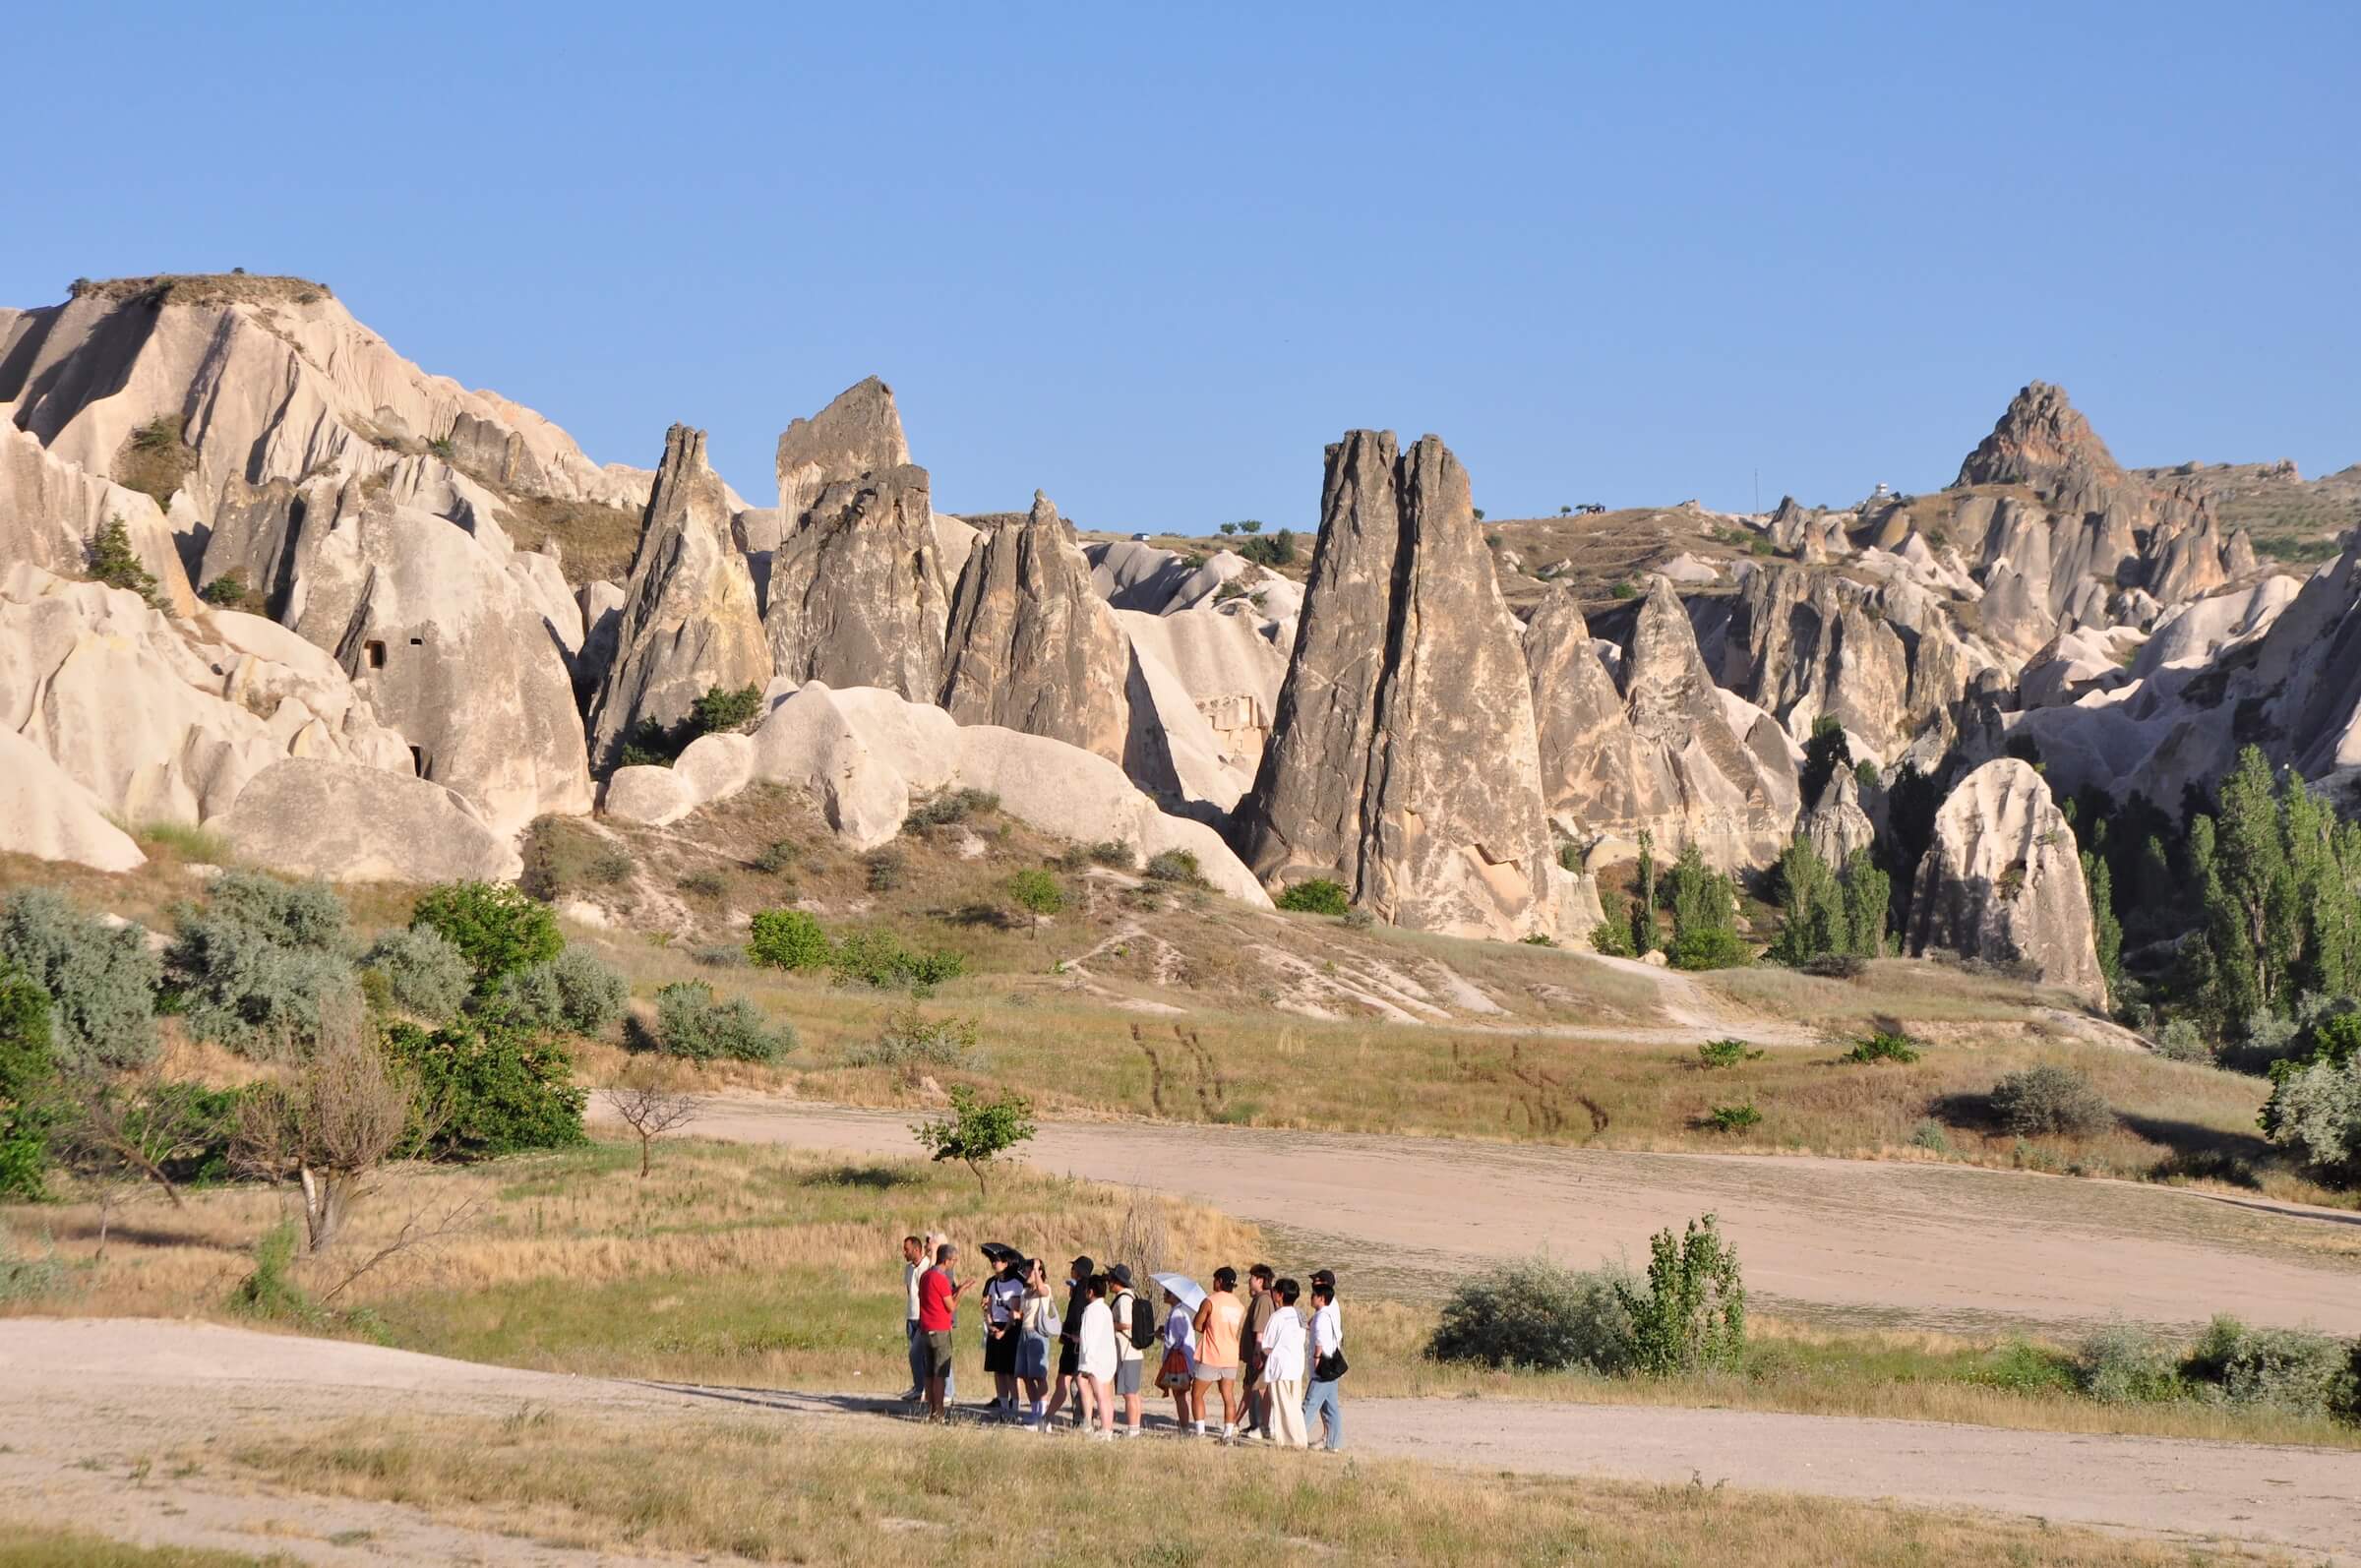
[573,994]
[1930,1136]
[911,1040]
[2123,1364]
[239,986]
[1691,1314]
[270,1291]
[1271,550]
[160,434]
[873,957]
[425,975]
[1115,852]
[1532,1314]
[1538,938]
[226,589]
[690,1023]
[952,806]
[1884,1045]
[1725,1054]
[2181,1041]
[490,1085]
[787,939]
[720,712]
[100,980]
[886,868]
[302,915]
[1733,1119]
[718,956]
[2291,1370]
[778,856]
[497,927]
[1175,865]
[28,1076]
[115,562]
[2049,1098]
[2314,1110]
[1705,910]
[1711,948]
[706,884]
[1622,590]
[1318,896]
[2020,1367]
[27,1279]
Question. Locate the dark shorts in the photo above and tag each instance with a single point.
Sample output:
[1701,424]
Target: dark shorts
[1000,1356]
[939,1352]
[1069,1357]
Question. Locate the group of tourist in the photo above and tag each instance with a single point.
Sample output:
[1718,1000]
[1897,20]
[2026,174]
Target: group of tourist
[1271,1369]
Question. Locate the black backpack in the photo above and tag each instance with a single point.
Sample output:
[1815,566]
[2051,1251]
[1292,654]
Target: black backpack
[1144,1329]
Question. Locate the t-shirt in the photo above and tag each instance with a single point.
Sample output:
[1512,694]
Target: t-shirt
[1097,1357]
[1004,1298]
[1258,1317]
[1219,1323]
[1283,1345]
[1121,1309]
[937,1305]
[910,1274]
[1328,1331]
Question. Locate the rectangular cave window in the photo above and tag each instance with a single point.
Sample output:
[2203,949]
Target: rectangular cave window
[418,642]
[377,654]
[418,759]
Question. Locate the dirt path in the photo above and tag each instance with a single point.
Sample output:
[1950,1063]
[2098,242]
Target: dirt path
[1928,1245]
[68,1391]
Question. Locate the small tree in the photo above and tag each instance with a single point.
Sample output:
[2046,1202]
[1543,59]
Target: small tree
[976,1132]
[1643,899]
[787,939]
[1692,1315]
[329,1126]
[1317,895]
[1037,892]
[651,1111]
[115,562]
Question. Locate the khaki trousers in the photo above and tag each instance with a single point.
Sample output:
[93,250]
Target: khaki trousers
[1287,1412]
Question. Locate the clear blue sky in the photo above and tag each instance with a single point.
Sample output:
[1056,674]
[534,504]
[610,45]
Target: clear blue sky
[1152,259]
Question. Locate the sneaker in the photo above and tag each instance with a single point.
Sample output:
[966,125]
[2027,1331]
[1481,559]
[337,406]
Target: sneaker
[1102,1435]
[913,1396]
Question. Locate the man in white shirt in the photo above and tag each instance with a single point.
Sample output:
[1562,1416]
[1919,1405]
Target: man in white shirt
[1322,1404]
[1129,1359]
[1284,1354]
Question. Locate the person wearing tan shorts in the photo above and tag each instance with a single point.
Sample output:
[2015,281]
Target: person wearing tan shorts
[1220,1324]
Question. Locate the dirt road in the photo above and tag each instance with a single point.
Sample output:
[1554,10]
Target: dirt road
[1928,1245]
[74,1453]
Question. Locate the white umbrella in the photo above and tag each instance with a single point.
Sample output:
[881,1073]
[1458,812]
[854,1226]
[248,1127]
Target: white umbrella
[1191,1294]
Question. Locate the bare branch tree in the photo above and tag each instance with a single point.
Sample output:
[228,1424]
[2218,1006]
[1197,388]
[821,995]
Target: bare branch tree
[425,1226]
[331,1124]
[651,1111]
[125,1133]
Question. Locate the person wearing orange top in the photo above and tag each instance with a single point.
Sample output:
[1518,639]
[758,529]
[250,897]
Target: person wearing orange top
[1220,1324]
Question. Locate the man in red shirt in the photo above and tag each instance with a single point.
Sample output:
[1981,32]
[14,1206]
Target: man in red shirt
[937,1316]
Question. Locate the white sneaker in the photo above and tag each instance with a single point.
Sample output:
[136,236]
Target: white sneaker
[1102,1435]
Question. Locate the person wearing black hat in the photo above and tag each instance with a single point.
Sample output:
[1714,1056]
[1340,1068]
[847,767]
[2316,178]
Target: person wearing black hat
[1070,1341]
[1004,1306]
[1131,1360]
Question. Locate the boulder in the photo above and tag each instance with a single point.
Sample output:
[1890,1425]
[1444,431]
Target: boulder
[311,817]
[2001,880]
[1030,646]
[856,593]
[689,619]
[1403,759]
[49,816]
[649,794]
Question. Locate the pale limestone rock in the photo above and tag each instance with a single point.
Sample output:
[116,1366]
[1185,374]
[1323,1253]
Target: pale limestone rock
[1030,646]
[440,637]
[860,432]
[310,817]
[1403,759]
[688,620]
[2002,882]
[650,795]
[52,511]
[48,815]
[1836,826]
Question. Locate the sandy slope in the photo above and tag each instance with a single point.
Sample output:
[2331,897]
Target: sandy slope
[68,1388]
[1941,1247]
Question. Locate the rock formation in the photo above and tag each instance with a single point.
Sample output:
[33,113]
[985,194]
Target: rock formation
[868,754]
[1030,646]
[156,722]
[2002,882]
[1805,643]
[1403,761]
[51,513]
[1836,826]
[1598,779]
[858,433]
[688,620]
[856,593]
[310,817]
[441,637]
